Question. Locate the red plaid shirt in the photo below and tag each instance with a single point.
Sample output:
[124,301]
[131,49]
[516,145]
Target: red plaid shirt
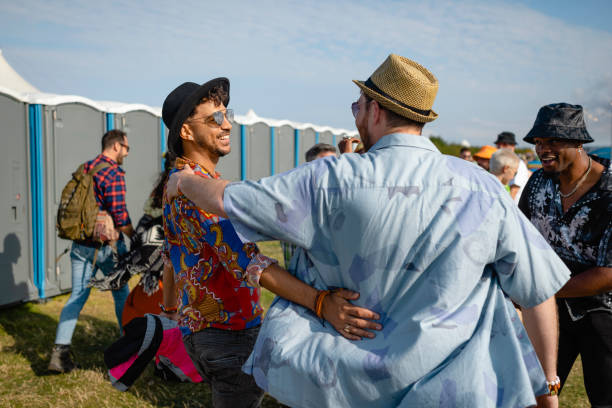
[109,186]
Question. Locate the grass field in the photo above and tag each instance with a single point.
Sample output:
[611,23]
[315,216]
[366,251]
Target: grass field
[26,337]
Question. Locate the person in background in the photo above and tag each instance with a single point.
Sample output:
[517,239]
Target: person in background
[503,165]
[569,200]
[483,156]
[109,188]
[506,140]
[318,151]
[466,154]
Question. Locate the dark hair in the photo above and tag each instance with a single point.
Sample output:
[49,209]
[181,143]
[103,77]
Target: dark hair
[463,149]
[216,95]
[317,149]
[394,119]
[111,137]
[158,192]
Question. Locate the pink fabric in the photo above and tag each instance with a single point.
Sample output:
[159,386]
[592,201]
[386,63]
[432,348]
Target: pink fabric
[173,348]
[118,371]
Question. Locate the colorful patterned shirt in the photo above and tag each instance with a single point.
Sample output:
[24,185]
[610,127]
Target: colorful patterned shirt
[210,263]
[109,186]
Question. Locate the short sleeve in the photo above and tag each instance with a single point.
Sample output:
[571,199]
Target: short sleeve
[528,269]
[278,207]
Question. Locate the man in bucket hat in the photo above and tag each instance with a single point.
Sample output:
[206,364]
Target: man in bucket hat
[217,275]
[432,243]
[569,200]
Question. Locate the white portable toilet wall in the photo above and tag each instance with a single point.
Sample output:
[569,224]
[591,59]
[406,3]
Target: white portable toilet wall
[229,166]
[327,137]
[258,149]
[144,162]
[72,135]
[308,138]
[17,279]
[284,148]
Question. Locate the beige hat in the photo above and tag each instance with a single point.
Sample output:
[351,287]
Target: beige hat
[404,87]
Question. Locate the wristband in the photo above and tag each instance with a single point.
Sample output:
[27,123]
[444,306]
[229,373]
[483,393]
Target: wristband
[169,310]
[554,386]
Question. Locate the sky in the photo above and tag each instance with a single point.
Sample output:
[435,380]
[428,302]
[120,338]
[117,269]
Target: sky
[497,61]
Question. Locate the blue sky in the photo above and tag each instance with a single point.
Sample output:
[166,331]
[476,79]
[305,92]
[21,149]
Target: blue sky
[497,62]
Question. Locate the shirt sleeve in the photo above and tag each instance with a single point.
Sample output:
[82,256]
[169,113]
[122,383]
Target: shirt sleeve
[528,269]
[114,200]
[281,207]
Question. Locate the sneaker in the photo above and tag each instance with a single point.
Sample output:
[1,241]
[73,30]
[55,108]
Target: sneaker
[62,359]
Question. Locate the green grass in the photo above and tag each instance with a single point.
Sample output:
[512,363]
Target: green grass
[26,337]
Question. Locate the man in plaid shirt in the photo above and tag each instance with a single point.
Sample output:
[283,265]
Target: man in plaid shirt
[109,188]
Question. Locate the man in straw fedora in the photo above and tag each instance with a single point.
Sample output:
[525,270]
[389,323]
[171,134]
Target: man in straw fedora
[569,200]
[432,243]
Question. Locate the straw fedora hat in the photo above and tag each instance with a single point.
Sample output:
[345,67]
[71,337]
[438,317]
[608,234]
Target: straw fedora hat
[404,87]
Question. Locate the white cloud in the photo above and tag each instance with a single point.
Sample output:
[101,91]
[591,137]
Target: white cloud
[295,59]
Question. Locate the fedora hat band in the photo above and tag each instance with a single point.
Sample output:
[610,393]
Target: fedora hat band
[376,89]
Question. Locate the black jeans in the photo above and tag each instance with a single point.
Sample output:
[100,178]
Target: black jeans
[218,356]
[591,337]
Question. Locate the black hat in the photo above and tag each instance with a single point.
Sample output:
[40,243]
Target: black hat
[559,121]
[505,137]
[179,104]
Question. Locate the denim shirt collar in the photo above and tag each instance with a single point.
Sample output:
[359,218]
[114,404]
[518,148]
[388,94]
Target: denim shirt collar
[404,139]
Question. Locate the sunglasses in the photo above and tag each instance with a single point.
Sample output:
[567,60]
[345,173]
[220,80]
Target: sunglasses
[218,117]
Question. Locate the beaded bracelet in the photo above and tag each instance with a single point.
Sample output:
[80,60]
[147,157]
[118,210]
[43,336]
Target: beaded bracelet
[554,386]
[319,302]
[163,308]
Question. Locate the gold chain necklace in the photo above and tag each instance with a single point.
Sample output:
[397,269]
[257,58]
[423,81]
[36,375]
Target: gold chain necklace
[584,176]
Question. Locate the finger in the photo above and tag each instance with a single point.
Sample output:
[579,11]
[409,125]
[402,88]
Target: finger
[347,332]
[347,294]
[361,312]
[356,331]
[364,324]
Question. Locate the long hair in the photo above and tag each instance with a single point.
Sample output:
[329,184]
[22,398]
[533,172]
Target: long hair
[158,192]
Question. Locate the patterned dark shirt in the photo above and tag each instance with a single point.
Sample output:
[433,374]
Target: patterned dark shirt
[582,236]
[110,189]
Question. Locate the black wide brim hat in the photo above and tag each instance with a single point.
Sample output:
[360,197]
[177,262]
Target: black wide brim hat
[505,137]
[179,104]
[559,121]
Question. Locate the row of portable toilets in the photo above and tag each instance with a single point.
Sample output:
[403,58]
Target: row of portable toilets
[46,137]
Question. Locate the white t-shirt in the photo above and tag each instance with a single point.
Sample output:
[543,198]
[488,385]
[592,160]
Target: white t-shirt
[522,175]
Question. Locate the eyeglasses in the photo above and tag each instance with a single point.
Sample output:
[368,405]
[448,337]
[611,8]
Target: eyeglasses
[127,147]
[218,117]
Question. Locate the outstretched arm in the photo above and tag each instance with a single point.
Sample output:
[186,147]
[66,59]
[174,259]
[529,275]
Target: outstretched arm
[543,329]
[205,193]
[591,282]
[351,321]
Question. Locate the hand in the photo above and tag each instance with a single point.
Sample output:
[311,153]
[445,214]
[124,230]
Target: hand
[172,187]
[351,321]
[346,144]
[547,401]
[172,316]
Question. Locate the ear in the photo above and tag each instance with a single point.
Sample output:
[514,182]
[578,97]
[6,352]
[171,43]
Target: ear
[376,111]
[186,132]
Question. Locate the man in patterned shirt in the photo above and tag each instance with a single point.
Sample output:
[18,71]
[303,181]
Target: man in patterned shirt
[569,200]
[109,187]
[217,275]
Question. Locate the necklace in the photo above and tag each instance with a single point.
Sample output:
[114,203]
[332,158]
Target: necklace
[584,176]
[182,161]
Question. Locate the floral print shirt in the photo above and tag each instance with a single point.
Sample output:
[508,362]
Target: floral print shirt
[582,236]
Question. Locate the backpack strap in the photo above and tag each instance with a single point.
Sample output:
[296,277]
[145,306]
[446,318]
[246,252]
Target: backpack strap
[99,167]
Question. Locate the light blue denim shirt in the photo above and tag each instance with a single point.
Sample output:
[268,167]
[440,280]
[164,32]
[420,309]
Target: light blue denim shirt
[432,243]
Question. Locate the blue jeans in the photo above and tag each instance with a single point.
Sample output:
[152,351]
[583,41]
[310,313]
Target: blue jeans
[218,355]
[81,258]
